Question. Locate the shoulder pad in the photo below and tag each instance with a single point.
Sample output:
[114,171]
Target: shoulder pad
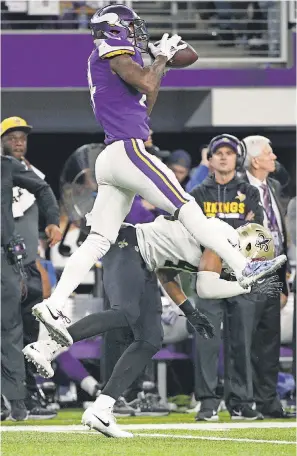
[113,46]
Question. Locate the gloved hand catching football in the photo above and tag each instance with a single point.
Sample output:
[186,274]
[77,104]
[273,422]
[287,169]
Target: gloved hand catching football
[179,53]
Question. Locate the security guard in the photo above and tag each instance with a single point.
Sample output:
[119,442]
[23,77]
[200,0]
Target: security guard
[225,196]
[13,255]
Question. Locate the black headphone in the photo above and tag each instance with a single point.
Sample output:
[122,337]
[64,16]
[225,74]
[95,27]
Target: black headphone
[236,144]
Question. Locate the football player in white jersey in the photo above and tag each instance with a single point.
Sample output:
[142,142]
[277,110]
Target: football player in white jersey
[123,94]
[130,284]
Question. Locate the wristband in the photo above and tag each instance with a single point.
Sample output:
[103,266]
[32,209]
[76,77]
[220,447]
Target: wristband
[187,307]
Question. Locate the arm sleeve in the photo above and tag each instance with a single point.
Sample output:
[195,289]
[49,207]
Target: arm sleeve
[113,47]
[210,286]
[200,173]
[255,205]
[45,198]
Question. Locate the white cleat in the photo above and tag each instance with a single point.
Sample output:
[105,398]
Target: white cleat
[104,421]
[54,323]
[41,354]
[258,269]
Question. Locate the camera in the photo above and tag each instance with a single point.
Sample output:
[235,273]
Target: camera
[15,250]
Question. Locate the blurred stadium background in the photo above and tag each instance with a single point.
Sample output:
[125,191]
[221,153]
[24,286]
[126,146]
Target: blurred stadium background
[243,82]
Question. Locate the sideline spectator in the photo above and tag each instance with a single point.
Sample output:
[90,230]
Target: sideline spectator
[229,198]
[199,173]
[259,163]
[292,231]
[180,163]
[25,209]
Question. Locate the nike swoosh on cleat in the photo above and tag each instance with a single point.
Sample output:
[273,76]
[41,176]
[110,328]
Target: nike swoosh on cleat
[52,315]
[103,422]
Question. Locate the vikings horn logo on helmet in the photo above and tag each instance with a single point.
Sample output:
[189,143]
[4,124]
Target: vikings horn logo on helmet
[119,22]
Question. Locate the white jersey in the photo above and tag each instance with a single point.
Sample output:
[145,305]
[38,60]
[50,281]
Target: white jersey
[165,243]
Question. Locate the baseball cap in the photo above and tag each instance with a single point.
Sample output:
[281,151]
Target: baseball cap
[180,157]
[14,124]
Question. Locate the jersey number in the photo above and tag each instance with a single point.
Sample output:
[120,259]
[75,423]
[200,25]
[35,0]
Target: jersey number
[142,101]
[181,265]
[91,87]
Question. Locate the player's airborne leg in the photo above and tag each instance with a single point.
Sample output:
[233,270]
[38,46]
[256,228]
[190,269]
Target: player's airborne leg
[123,94]
[135,301]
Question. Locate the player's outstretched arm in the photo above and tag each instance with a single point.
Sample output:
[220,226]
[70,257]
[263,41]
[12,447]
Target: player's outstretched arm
[198,320]
[145,80]
[209,285]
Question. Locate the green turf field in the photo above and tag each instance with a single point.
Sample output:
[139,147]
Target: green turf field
[175,435]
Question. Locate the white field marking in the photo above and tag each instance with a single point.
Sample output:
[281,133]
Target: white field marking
[229,439]
[160,427]
[81,430]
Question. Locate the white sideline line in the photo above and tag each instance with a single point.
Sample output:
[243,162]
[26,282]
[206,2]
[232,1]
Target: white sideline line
[81,430]
[229,439]
[209,426]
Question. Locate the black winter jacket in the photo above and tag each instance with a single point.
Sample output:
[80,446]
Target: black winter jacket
[13,173]
[230,202]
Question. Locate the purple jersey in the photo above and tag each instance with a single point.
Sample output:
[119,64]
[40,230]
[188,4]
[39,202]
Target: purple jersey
[118,107]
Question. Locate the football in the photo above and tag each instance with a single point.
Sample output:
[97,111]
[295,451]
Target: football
[183,58]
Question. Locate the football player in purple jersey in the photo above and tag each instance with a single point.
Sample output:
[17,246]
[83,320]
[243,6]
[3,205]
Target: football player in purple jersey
[123,93]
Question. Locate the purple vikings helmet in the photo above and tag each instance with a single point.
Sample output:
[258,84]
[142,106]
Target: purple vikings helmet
[119,21]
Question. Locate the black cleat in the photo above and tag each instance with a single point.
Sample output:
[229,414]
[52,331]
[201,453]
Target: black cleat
[36,410]
[207,415]
[18,410]
[4,410]
[245,412]
[149,405]
[279,414]
[121,408]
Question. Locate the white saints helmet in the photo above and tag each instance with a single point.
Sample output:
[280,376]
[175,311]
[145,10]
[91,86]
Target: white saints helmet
[252,240]
[256,242]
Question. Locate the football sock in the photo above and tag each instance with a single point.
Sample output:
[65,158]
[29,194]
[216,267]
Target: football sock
[77,267]
[104,401]
[89,384]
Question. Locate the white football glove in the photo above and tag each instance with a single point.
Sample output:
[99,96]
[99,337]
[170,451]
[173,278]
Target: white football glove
[167,46]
